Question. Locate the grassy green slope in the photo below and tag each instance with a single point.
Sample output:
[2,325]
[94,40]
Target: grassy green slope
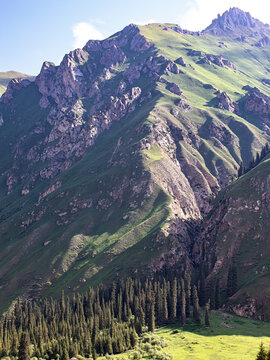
[252,67]
[240,340]
[228,338]
[76,242]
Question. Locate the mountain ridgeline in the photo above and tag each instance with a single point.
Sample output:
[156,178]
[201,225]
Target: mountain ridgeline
[123,160]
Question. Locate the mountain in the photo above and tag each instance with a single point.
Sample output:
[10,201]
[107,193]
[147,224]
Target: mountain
[111,159]
[5,78]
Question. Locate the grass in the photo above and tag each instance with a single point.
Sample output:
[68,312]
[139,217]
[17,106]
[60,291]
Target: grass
[228,338]
[217,342]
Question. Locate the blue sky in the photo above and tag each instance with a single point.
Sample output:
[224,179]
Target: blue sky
[32,31]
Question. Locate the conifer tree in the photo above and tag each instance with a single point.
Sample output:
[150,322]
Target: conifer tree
[174,300]
[151,320]
[202,287]
[206,318]
[257,160]
[183,303]
[188,293]
[24,347]
[262,353]
[196,311]
[133,338]
[241,169]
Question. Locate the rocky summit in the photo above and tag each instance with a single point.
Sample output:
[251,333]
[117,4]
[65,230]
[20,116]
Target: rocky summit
[124,160]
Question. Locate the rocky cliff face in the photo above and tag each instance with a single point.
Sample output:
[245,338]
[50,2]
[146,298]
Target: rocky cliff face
[255,102]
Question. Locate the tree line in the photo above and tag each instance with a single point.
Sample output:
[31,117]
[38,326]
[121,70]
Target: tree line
[106,320]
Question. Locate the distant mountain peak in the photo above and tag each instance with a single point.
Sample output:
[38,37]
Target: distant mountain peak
[237,22]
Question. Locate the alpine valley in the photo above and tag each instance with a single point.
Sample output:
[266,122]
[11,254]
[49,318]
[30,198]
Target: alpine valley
[128,160]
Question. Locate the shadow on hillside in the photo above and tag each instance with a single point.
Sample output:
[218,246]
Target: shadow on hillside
[222,324]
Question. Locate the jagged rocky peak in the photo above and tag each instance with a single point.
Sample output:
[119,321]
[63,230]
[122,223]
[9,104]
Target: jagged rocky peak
[239,23]
[79,70]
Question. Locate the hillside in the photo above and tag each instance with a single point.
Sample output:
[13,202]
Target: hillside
[241,236]
[110,159]
[5,78]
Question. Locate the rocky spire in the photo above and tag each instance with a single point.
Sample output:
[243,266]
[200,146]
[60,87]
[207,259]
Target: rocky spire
[237,22]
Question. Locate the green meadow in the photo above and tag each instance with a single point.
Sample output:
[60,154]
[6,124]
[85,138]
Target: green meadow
[229,337]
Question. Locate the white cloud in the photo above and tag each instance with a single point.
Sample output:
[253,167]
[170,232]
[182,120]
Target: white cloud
[146,22]
[201,12]
[82,32]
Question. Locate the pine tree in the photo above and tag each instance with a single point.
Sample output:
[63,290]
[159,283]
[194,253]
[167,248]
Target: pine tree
[202,287]
[133,338]
[24,347]
[183,303]
[196,309]
[14,344]
[151,320]
[206,318]
[262,353]
[241,169]
[188,293]
[257,160]
[174,300]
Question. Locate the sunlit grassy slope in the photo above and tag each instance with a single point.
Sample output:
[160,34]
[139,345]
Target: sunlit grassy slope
[240,340]
[228,338]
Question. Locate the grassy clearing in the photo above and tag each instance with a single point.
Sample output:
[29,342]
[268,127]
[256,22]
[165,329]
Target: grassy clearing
[229,338]
[241,341]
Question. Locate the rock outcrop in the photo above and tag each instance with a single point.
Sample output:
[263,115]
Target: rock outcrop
[241,26]
[226,103]
[256,102]
[237,22]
